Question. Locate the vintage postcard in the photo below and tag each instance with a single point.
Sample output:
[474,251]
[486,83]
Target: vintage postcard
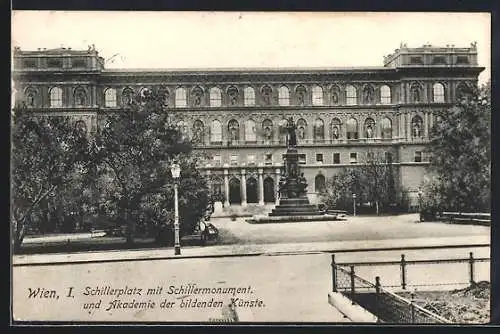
[250,167]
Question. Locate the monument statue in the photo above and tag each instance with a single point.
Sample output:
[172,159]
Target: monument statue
[292,135]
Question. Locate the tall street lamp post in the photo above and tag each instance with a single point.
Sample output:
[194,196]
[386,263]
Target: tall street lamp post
[354,204]
[175,169]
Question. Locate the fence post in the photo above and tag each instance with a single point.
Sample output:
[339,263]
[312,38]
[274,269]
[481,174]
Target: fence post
[334,274]
[352,285]
[377,297]
[403,272]
[412,307]
[471,268]
[377,284]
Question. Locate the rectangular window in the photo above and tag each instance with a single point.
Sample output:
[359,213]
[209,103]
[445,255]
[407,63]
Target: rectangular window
[336,158]
[251,159]
[416,61]
[217,160]
[438,60]
[353,158]
[302,159]
[79,62]
[388,157]
[319,157]
[234,159]
[54,62]
[268,159]
[462,60]
[30,62]
[418,156]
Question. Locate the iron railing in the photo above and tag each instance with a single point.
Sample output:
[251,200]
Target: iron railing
[385,305]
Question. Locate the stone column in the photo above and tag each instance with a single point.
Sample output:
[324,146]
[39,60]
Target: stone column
[408,126]
[226,186]
[426,125]
[261,187]
[93,99]
[276,185]
[243,188]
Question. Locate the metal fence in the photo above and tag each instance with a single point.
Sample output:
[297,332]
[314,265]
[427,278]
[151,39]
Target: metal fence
[409,270]
[386,305]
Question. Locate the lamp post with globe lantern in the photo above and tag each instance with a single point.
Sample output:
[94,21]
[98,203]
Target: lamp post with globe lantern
[175,169]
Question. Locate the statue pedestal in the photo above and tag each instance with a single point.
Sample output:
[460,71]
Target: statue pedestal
[293,200]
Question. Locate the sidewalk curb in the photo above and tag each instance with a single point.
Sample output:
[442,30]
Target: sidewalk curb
[25,261]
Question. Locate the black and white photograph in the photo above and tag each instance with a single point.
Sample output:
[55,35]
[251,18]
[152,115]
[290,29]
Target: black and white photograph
[224,168]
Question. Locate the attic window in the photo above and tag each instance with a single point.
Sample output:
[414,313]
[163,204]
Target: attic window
[78,62]
[462,60]
[439,61]
[54,62]
[29,62]
[416,61]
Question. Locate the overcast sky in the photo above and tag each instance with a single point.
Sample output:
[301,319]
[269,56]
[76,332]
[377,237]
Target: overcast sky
[237,39]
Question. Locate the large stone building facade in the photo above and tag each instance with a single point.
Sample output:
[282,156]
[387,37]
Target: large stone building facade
[236,116]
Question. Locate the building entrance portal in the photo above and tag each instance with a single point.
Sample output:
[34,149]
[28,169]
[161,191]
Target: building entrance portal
[269,190]
[252,191]
[234,191]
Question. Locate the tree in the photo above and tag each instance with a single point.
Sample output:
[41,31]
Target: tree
[460,156]
[136,147]
[371,181]
[46,153]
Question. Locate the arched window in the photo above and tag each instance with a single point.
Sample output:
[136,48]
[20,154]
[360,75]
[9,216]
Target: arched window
[180,97]
[216,132]
[198,132]
[335,129]
[110,98]
[335,95]
[183,129]
[319,183]
[386,126]
[369,128]
[352,128]
[266,92]
[249,96]
[350,95]
[284,96]
[232,93]
[368,94]
[319,130]
[215,97]
[233,128]
[267,130]
[56,97]
[301,129]
[197,96]
[317,96]
[300,93]
[416,127]
[416,93]
[80,97]
[127,96]
[30,96]
[385,94]
[250,131]
[438,92]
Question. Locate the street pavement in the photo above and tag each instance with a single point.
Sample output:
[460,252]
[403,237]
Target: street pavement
[293,288]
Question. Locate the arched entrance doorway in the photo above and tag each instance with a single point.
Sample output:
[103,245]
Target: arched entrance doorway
[234,191]
[252,190]
[269,190]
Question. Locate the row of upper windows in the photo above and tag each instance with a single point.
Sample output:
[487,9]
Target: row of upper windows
[338,130]
[249,97]
[320,158]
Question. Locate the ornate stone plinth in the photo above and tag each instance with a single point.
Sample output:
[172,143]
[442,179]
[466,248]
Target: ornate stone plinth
[293,190]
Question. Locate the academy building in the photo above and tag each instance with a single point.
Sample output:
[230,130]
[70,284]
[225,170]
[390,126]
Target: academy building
[343,115]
